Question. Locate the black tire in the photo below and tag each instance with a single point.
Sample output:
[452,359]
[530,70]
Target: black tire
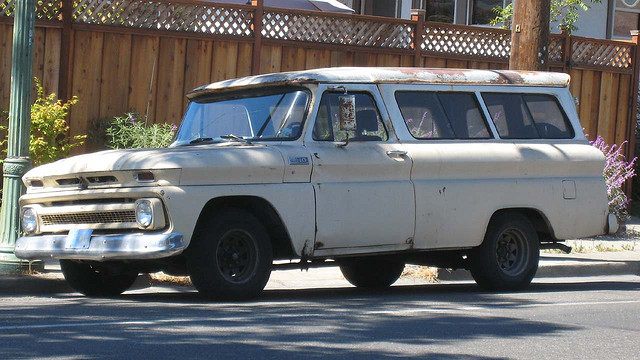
[508,257]
[372,272]
[93,280]
[230,256]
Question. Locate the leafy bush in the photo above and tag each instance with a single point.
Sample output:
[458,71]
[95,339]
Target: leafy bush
[49,140]
[129,131]
[616,171]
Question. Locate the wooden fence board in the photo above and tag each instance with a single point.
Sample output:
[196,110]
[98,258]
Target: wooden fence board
[38,58]
[270,59]
[608,103]
[432,62]
[143,81]
[245,54]
[316,59]
[406,61]
[623,106]
[293,58]
[342,58]
[6,42]
[586,97]
[575,86]
[171,63]
[116,68]
[51,73]
[87,65]
[225,54]
[197,70]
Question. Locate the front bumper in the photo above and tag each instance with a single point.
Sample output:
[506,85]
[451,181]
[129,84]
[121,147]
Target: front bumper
[100,247]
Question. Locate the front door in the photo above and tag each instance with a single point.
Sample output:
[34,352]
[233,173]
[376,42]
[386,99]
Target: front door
[364,196]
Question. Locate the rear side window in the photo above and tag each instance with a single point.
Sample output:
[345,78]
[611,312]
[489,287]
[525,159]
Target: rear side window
[442,115]
[527,116]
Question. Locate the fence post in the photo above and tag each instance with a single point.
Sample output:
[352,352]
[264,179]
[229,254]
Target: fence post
[257,35]
[631,131]
[66,49]
[417,15]
[566,52]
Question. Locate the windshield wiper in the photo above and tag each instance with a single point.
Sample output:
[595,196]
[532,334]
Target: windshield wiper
[235,138]
[200,140]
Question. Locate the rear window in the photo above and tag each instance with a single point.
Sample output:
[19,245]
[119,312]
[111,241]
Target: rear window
[442,115]
[527,116]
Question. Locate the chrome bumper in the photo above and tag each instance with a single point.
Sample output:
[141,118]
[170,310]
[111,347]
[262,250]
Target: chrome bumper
[101,247]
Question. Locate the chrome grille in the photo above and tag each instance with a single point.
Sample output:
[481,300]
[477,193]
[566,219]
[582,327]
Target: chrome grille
[98,217]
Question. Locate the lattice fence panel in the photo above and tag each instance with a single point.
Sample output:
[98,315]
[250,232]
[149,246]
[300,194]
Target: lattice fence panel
[165,15]
[45,9]
[336,30]
[615,55]
[556,49]
[464,41]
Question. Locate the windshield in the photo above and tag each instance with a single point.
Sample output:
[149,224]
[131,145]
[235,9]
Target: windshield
[276,116]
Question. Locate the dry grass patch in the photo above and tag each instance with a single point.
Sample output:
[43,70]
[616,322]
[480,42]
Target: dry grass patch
[427,273]
[161,278]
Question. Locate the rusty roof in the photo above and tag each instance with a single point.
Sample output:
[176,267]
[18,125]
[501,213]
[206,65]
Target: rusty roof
[390,75]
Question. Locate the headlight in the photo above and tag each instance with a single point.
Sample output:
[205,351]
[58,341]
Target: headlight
[144,213]
[29,220]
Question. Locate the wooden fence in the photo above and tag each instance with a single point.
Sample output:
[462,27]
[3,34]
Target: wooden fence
[143,55]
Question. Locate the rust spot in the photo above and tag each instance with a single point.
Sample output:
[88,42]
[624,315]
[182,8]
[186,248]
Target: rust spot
[409,242]
[318,245]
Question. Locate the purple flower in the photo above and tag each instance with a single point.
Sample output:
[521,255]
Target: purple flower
[133,120]
[173,128]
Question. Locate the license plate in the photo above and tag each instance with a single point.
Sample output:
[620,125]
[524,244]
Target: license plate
[79,239]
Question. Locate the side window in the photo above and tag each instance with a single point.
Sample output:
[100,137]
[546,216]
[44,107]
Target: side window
[510,115]
[442,115]
[369,126]
[424,115]
[551,121]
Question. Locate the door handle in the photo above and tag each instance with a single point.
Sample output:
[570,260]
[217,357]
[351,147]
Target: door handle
[396,153]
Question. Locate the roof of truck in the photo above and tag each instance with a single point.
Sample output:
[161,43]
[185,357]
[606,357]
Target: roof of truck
[390,75]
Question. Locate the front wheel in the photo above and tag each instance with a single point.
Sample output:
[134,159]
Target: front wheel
[93,280]
[508,257]
[230,256]
[372,272]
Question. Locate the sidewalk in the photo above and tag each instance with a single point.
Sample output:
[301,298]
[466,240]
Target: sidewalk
[605,255]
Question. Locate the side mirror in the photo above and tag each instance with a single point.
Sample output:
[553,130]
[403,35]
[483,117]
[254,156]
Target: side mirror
[347,112]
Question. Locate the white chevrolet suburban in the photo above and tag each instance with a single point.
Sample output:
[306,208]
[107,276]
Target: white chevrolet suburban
[367,169]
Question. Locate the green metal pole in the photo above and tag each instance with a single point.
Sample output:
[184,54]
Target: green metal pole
[17,162]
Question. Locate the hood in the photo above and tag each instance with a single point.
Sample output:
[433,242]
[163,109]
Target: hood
[226,163]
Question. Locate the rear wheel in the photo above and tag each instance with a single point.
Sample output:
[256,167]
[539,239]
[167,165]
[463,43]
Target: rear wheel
[372,271]
[95,280]
[230,256]
[508,257]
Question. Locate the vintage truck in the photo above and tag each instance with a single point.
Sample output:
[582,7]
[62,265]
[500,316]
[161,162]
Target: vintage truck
[367,169]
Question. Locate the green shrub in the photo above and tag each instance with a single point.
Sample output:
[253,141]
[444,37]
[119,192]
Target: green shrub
[49,140]
[129,131]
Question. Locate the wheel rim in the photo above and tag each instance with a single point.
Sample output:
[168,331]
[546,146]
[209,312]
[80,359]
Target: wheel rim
[236,255]
[512,252]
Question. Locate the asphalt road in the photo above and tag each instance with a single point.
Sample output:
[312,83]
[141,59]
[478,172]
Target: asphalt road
[562,318]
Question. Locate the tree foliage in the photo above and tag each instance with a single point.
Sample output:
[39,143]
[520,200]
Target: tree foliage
[563,12]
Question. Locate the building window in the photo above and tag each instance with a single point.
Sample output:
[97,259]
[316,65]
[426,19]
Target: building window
[377,8]
[482,10]
[626,17]
[437,10]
